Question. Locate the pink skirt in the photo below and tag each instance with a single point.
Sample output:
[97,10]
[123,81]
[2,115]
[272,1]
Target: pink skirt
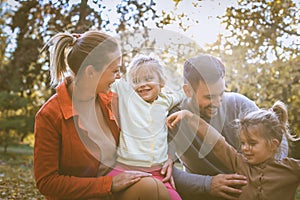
[155,171]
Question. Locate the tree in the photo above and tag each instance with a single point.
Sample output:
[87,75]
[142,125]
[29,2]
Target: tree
[268,29]
[28,25]
[262,55]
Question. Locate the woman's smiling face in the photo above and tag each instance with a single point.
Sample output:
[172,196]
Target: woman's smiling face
[110,73]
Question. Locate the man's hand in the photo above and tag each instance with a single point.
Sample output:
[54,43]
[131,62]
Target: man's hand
[227,186]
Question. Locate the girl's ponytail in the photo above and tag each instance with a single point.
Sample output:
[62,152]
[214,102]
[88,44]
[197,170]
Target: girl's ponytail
[280,109]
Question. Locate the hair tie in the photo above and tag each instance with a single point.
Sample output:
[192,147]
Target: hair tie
[73,41]
[75,38]
[76,35]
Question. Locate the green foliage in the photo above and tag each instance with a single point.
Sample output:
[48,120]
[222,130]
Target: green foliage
[15,124]
[270,82]
[261,54]
[263,28]
[297,197]
[24,80]
[256,27]
[8,138]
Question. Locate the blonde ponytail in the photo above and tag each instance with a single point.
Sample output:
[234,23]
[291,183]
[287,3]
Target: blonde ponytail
[280,109]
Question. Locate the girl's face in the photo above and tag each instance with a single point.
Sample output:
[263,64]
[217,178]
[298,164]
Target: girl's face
[110,73]
[254,147]
[147,84]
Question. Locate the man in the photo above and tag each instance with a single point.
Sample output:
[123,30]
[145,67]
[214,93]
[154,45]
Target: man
[204,87]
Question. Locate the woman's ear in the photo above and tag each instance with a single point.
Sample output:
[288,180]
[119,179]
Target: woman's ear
[187,90]
[89,71]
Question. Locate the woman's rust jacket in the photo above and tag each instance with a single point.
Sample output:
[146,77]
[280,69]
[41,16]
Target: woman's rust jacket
[63,166]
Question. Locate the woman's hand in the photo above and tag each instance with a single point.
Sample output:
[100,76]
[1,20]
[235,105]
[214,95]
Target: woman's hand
[167,170]
[126,179]
[174,118]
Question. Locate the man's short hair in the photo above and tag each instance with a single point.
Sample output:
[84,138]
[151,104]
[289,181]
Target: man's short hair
[204,67]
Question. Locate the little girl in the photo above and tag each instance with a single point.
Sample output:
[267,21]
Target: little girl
[143,109]
[260,135]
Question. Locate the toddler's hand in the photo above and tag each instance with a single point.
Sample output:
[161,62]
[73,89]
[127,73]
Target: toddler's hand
[174,118]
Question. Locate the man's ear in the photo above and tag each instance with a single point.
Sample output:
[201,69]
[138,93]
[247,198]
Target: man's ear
[162,83]
[187,90]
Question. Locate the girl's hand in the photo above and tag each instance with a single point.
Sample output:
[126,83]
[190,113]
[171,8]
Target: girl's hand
[174,118]
[167,170]
[126,179]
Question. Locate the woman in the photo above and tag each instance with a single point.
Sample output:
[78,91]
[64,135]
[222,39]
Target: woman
[76,133]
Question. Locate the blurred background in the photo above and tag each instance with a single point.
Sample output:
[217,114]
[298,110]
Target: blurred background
[258,40]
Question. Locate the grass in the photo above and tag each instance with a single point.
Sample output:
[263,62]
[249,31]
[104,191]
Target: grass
[16,175]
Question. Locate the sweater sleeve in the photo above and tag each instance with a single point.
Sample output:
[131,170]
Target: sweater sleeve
[191,183]
[228,155]
[217,143]
[49,179]
[174,97]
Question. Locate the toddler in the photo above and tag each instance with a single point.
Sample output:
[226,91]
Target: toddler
[143,109]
